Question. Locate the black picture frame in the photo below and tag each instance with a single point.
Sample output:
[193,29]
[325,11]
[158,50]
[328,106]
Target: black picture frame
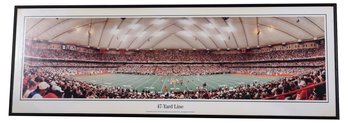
[16,8]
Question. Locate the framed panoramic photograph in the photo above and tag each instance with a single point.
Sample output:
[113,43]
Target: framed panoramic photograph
[244,61]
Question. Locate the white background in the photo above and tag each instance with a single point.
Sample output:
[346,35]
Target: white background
[6,28]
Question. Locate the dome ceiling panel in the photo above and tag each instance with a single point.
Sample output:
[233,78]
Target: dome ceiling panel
[250,26]
[78,36]
[95,31]
[196,32]
[269,36]
[172,42]
[287,28]
[239,32]
[110,26]
[306,24]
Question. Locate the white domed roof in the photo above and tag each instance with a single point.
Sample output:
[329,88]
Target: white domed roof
[176,33]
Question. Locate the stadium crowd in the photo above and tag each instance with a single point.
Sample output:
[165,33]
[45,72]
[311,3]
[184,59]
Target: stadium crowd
[50,63]
[177,69]
[52,83]
[47,73]
[174,55]
[311,63]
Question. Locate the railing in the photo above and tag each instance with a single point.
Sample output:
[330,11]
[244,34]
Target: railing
[295,91]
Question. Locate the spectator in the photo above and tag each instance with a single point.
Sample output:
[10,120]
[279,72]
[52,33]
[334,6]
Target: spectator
[41,91]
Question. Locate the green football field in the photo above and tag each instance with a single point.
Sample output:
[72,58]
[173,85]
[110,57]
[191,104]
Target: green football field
[157,83]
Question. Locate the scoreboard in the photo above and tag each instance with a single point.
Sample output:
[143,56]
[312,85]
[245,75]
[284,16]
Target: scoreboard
[69,47]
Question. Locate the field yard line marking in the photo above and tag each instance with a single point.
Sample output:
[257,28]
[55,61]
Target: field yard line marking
[207,78]
[110,79]
[212,81]
[204,78]
[147,80]
[193,83]
[122,78]
[237,80]
[190,83]
[167,84]
[127,80]
[163,83]
[178,82]
[200,82]
[160,86]
[208,85]
[140,79]
[224,81]
[182,78]
[187,87]
[171,78]
[215,82]
[234,81]
[173,83]
[155,82]
[116,80]
[119,79]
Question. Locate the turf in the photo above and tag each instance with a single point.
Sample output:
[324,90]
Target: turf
[157,83]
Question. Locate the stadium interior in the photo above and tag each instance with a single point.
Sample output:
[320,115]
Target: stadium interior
[245,58]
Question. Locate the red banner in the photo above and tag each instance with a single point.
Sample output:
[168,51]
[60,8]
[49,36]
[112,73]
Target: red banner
[102,50]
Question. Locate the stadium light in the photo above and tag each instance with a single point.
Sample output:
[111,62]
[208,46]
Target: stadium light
[299,40]
[315,38]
